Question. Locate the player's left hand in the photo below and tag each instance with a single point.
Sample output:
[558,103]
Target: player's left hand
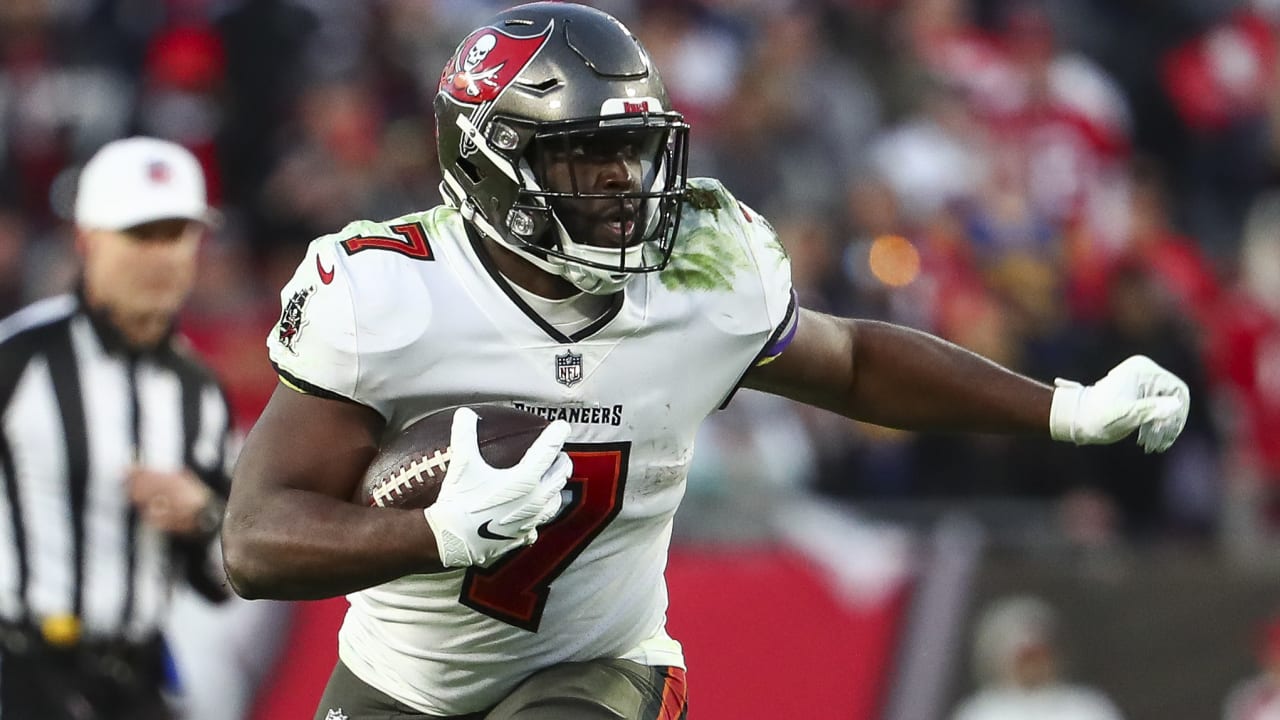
[171,501]
[1136,394]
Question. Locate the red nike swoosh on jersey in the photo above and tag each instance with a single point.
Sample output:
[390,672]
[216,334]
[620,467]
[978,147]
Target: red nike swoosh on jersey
[326,276]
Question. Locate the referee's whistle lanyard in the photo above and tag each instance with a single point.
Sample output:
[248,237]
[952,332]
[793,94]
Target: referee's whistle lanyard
[135,408]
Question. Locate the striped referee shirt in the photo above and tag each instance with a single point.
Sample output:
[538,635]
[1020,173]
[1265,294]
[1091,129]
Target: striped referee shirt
[78,409]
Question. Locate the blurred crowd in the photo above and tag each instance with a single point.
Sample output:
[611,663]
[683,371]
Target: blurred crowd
[1053,183]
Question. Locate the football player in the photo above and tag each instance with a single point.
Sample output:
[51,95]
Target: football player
[575,271]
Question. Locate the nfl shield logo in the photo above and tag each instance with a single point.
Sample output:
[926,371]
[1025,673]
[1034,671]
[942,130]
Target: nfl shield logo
[569,368]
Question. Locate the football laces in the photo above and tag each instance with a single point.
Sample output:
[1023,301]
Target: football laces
[410,477]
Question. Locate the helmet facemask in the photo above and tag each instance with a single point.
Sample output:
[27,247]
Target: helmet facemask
[600,199]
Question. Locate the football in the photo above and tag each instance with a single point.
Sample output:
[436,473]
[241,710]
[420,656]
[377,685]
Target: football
[407,471]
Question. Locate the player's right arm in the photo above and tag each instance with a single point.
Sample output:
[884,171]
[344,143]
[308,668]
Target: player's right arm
[291,530]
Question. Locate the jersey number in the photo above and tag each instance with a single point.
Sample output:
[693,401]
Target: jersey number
[411,242]
[514,589]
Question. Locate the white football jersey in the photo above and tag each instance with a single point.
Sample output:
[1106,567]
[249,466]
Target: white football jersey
[407,318]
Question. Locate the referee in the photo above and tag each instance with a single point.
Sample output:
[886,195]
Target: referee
[112,450]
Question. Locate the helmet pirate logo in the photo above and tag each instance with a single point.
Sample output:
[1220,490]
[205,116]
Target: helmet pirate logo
[486,63]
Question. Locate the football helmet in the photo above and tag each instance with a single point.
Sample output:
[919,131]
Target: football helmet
[569,81]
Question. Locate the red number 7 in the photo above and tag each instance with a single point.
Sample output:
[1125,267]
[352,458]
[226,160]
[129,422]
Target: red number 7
[411,242]
[514,589]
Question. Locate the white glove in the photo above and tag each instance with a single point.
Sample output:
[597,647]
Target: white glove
[483,512]
[1137,393]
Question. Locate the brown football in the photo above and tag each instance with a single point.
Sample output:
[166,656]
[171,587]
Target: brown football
[408,469]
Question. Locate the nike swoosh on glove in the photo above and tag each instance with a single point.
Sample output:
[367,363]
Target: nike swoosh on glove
[484,512]
[1137,395]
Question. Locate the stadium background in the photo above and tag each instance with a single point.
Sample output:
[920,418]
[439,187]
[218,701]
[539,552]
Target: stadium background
[1055,184]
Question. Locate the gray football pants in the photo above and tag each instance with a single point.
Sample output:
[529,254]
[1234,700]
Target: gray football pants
[595,690]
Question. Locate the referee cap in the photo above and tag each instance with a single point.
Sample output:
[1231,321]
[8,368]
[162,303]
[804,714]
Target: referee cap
[138,180]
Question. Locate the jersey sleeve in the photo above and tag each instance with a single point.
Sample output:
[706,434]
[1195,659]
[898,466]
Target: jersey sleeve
[352,316]
[773,269]
[757,312]
[313,345]
[766,287]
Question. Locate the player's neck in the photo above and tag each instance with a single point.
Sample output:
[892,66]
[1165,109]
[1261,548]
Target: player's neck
[526,275]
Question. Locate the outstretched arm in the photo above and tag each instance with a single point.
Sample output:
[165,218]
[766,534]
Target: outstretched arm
[898,377]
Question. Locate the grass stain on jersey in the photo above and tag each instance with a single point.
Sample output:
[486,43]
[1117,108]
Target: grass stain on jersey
[707,259]
[703,199]
[774,243]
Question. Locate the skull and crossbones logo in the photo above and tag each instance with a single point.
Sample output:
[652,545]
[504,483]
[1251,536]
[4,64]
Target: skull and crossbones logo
[486,63]
[468,78]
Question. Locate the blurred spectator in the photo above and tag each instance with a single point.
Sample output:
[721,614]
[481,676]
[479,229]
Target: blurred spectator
[799,116]
[328,170]
[1177,262]
[54,108]
[701,56]
[1221,83]
[1258,697]
[1245,357]
[942,37]
[264,42]
[936,157]
[1063,126]
[182,95]
[1017,657]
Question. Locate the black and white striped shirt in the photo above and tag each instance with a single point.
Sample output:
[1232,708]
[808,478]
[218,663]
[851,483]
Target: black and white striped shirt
[78,409]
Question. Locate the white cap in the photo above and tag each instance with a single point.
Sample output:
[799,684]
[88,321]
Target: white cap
[139,180]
